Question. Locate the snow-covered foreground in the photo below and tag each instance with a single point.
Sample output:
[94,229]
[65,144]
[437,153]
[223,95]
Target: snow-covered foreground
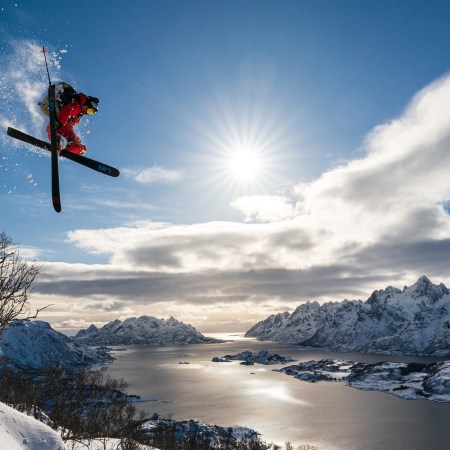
[21,432]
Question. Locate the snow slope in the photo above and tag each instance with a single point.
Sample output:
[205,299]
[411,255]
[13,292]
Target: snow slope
[21,432]
[142,330]
[415,320]
[33,345]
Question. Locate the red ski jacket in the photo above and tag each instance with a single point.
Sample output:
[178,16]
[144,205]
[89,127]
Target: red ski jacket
[69,116]
[72,113]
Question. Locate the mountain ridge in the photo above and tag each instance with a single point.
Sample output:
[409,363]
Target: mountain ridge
[35,345]
[415,320]
[143,330]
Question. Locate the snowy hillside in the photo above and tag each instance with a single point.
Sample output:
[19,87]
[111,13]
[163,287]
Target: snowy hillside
[142,330]
[35,345]
[415,320]
[19,432]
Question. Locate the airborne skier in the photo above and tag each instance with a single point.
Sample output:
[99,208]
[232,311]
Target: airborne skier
[70,108]
[65,108]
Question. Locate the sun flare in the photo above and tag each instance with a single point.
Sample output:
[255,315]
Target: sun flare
[246,144]
[245,164]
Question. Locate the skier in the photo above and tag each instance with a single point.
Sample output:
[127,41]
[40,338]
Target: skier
[70,108]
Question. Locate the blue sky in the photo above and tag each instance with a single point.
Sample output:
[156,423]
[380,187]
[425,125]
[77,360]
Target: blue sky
[331,200]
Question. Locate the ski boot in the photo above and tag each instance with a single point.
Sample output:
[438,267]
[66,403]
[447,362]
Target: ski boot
[63,143]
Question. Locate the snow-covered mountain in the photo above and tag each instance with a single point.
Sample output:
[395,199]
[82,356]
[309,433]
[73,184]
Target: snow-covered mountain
[142,330]
[415,320]
[34,345]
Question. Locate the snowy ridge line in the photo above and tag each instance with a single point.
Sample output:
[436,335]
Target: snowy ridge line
[412,321]
[34,345]
[146,330]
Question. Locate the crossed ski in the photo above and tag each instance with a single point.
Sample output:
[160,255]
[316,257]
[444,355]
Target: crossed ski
[83,160]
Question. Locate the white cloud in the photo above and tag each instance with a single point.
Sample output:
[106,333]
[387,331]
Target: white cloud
[30,252]
[397,189]
[155,174]
[265,208]
[184,248]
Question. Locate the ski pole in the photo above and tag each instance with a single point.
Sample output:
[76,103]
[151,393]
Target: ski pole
[46,65]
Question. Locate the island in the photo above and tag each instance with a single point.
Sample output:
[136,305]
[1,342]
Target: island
[409,381]
[248,358]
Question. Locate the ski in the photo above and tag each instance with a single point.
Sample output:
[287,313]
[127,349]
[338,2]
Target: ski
[56,197]
[83,160]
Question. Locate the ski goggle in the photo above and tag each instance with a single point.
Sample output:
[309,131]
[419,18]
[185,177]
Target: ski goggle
[91,105]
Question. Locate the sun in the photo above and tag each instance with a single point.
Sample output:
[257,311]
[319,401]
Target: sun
[243,146]
[245,164]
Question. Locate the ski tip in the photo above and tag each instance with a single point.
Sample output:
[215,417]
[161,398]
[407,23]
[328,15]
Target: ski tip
[107,170]
[56,204]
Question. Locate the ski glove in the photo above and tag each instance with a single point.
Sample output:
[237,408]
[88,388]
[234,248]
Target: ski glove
[57,125]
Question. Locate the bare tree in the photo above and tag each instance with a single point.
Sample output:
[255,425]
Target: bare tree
[17,276]
[87,407]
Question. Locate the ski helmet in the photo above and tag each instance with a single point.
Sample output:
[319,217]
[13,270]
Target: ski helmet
[91,105]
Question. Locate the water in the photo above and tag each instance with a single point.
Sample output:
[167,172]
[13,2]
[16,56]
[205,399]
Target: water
[328,415]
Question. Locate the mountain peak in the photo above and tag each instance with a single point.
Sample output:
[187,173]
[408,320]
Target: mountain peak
[423,287]
[423,281]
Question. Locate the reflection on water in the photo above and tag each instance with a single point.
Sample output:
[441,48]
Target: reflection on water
[281,408]
[278,391]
